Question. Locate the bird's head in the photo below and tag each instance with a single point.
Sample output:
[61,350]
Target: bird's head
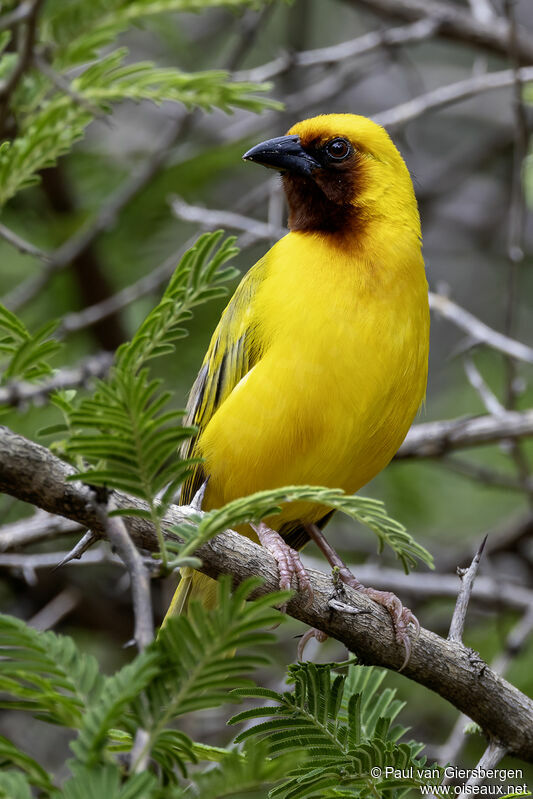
[340,172]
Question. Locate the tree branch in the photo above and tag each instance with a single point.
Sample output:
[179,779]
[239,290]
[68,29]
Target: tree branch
[456,24]
[18,393]
[353,48]
[446,95]
[468,577]
[117,533]
[23,246]
[31,473]
[432,439]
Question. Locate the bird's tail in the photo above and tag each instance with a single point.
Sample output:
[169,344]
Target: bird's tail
[192,585]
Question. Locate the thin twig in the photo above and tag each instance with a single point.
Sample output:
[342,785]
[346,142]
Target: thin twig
[482,10]
[463,598]
[78,549]
[449,751]
[353,48]
[456,23]
[433,439]
[35,561]
[489,760]
[447,95]
[119,537]
[58,607]
[478,330]
[475,378]
[22,245]
[209,219]
[20,393]
[79,320]
[39,527]
[18,15]
[482,474]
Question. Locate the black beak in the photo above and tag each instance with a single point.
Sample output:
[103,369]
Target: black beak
[285,153]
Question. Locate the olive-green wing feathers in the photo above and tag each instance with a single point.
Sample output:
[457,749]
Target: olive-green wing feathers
[234,349]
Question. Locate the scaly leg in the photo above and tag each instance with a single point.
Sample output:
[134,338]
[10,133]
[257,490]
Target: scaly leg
[401,617]
[287,558]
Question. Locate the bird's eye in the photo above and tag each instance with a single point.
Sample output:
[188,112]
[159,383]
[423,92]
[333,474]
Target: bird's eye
[338,149]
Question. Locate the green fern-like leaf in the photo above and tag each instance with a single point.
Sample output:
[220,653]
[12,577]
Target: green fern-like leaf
[116,693]
[195,648]
[243,772]
[78,30]
[43,138]
[50,121]
[202,659]
[106,782]
[340,726]
[125,433]
[24,356]
[370,512]
[11,756]
[44,674]
[14,784]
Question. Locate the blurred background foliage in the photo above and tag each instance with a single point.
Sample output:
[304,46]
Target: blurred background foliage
[463,161]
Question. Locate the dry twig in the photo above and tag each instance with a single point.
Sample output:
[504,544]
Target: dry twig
[19,393]
[461,606]
[456,23]
[117,533]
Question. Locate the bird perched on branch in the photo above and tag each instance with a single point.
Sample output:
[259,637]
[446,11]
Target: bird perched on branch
[319,362]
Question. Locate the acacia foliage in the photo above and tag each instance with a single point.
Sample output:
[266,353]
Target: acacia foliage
[323,737]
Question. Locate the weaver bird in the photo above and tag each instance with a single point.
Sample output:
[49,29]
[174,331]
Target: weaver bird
[319,362]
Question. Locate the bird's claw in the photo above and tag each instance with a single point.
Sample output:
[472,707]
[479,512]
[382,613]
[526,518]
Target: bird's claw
[312,632]
[401,618]
[288,560]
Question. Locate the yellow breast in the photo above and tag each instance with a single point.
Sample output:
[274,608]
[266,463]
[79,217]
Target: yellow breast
[345,331]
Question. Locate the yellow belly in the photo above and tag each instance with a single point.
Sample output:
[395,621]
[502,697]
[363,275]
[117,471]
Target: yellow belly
[341,381]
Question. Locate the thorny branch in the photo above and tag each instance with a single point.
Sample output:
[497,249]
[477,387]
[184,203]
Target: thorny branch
[116,531]
[461,606]
[31,473]
[455,23]
[19,393]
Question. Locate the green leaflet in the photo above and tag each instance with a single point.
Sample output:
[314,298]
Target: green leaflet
[50,121]
[367,511]
[124,433]
[341,729]
[45,673]
[320,739]
[78,30]
[107,782]
[24,356]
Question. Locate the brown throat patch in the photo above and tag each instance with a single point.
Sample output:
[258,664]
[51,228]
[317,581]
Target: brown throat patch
[324,203]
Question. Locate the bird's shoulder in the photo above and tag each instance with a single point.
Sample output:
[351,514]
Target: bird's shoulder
[235,348]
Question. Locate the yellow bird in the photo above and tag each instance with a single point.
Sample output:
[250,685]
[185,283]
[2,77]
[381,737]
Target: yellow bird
[319,362]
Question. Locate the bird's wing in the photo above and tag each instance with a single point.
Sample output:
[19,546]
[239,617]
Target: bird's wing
[233,352]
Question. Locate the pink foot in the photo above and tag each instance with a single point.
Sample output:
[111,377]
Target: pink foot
[312,632]
[401,616]
[287,558]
